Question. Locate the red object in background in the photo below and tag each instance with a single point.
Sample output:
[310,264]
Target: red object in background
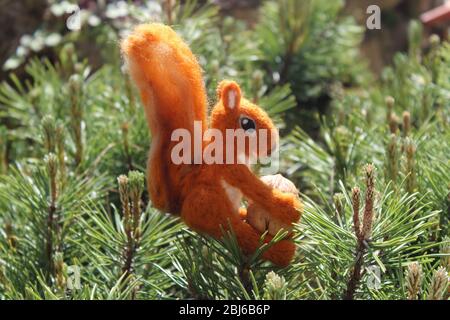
[437,16]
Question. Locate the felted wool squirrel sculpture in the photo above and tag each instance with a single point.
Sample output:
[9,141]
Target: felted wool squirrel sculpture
[207,196]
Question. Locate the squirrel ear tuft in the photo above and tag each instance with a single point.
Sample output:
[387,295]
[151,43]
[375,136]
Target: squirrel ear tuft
[230,94]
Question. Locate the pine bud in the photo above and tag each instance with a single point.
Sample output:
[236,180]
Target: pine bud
[275,287]
[411,179]
[75,83]
[414,278]
[356,199]
[125,128]
[67,57]
[438,284]
[49,132]
[76,110]
[136,181]
[60,133]
[52,170]
[124,197]
[390,102]
[60,139]
[392,158]
[406,124]
[415,34]
[369,170]
[122,180]
[393,123]
[52,165]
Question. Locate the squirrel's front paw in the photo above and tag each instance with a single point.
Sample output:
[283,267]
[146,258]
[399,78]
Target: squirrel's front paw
[288,207]
[285,210]
[287,202]
[263,221]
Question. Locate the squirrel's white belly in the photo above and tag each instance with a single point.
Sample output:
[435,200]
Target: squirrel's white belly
[234,195]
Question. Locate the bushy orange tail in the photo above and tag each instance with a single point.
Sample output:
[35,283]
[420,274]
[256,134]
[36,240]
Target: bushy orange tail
[170,82]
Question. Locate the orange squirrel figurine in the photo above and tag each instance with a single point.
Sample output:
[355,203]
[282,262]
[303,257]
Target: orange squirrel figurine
[207,196]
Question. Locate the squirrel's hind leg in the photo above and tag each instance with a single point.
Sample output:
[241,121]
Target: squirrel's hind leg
[206,210]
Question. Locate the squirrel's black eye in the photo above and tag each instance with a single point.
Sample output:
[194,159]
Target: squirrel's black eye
[247,124]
